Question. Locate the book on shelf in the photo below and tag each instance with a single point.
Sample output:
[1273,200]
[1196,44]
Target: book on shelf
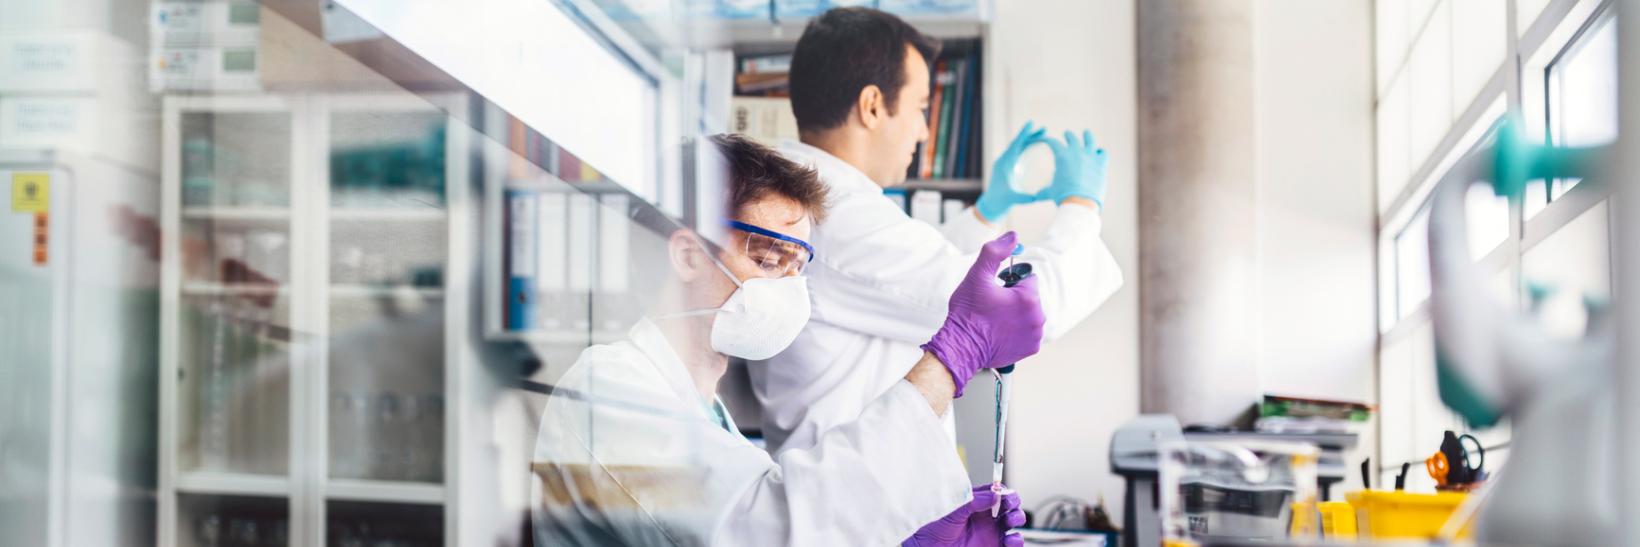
[764,76]
[522,219]
[936,108]
[765,85]
[952,148]
[766,120]
[778,63]
[956,90]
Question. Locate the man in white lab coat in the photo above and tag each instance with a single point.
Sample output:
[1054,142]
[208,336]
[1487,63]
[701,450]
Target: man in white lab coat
[860,90]
[635,448]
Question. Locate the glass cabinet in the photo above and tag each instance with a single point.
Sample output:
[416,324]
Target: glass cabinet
[305,317]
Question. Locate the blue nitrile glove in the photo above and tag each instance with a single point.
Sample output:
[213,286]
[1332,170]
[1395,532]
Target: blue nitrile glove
[1078,169]
[1000,194]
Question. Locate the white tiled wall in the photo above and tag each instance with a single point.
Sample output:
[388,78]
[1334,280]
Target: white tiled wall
[1434,58]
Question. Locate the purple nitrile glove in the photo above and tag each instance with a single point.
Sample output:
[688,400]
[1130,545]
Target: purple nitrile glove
[988,325]
[972,524]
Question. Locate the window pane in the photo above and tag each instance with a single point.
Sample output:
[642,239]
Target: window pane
[1391,38]
[1583,89]
[1431,96]
[1488,220]
[1412,264]
[1574,262]
[1479,38]
[1583,93]
[1393,144]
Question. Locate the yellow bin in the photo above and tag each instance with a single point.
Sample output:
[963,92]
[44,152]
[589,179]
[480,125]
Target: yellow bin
[1384,514]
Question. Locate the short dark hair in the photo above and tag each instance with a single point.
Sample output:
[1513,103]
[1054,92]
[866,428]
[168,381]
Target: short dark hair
[840,53]
[755,171]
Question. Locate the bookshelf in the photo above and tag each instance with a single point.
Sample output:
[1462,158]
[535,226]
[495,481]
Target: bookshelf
[296,226]
[952,164]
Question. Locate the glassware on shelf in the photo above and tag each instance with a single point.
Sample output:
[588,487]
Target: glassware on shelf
[232,521]
[235,383]
[387,160]
[236,159]
[388,253]
[247,253]
[386,371]
[365,524]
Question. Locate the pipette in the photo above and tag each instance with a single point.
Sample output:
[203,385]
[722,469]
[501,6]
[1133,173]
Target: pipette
[1004,387]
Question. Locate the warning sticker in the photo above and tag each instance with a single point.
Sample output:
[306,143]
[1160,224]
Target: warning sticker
[30,192]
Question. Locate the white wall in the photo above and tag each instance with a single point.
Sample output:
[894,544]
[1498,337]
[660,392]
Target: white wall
[1071,64]
[1315,165]
[1314,99]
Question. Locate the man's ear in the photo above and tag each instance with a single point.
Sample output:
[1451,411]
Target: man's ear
[871,107]
[685,253]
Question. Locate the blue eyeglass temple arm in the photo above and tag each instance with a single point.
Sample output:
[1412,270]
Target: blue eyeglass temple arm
[748,228]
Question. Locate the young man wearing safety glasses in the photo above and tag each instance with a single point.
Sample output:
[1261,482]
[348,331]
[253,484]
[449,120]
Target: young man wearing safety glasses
[636,449]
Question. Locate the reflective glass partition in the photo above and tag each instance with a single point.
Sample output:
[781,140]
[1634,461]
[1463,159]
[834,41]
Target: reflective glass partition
[308,272]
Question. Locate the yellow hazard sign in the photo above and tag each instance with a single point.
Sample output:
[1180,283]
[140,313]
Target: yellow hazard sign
[30,192]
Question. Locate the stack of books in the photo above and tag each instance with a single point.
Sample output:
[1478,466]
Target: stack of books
[952,150]
[764,76]
[761,109]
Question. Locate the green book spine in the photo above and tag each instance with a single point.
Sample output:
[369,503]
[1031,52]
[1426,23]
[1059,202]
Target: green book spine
[948,85]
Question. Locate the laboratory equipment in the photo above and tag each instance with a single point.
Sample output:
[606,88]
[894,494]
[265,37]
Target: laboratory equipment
[1241,491]
[1010,276]
[1492,364]
[1450,466]
[1134,450]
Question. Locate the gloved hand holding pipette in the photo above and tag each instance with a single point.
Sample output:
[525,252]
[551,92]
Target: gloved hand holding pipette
[988,325]
[972,525]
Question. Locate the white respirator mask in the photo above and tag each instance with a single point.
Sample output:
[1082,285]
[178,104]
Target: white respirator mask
[761,318]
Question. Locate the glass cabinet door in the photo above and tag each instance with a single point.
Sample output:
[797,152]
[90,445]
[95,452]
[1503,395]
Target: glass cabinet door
[387,254]
[233,313]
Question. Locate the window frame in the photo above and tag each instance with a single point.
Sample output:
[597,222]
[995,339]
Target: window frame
[1558,31]
[1518,87]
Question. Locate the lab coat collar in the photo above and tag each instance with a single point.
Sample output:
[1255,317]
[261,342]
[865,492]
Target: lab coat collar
[648,338]
[839,175]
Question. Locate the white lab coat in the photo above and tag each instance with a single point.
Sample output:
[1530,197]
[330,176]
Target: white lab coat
[630,454]
[880,283]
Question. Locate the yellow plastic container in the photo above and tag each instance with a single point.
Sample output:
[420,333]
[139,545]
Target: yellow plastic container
[1399,515]
[1337,519]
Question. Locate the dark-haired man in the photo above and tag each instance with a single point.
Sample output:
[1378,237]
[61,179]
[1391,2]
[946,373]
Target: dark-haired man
[859,90]
[635,448]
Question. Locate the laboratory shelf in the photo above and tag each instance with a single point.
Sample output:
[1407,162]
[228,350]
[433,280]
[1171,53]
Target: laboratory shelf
[386,214]
[710,33]
[551,184]
[200,288]
[366,291]
[561,337]
[385,491]
[224,483]
[944,185]
[209,212]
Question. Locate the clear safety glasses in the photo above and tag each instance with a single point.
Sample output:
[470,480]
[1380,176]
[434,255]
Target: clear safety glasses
[779,255]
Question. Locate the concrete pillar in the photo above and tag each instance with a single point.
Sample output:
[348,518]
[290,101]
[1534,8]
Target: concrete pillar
[1197,212]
